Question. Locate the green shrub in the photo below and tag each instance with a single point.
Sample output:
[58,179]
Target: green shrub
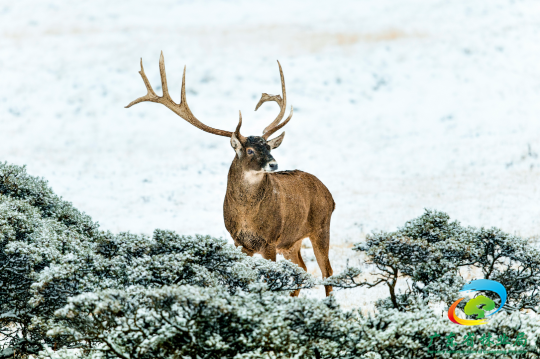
[69,290]
[49,252]
[431,251]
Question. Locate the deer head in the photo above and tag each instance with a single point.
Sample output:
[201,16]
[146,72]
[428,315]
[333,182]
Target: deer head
[253,152]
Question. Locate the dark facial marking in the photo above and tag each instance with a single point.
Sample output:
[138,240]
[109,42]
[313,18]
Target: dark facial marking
[261,149]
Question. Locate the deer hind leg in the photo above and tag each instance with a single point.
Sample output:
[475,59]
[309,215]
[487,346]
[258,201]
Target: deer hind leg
[320,241]
[295,256]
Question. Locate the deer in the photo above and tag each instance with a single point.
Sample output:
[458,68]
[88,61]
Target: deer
[265,211]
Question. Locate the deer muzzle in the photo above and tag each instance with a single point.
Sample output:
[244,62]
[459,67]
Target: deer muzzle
[271,166]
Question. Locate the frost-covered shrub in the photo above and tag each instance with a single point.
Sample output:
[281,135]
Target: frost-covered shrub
[16,184]
[31,216]
[419,332]
[192,322]
[514,263]
[66,285]
[430,253]
[119,261]
[45,241]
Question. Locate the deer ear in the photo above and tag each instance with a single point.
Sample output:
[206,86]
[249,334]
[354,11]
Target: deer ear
[275,142]
[237,145]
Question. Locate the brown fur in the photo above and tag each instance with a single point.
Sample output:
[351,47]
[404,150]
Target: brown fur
[275,213]
[265,212]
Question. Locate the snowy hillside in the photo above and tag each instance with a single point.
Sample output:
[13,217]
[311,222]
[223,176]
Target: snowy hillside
[399,106]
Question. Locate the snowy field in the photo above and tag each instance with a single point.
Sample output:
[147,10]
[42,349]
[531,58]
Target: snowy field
[399,106]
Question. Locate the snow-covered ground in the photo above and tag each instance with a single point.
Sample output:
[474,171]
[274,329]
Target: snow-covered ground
[399,106]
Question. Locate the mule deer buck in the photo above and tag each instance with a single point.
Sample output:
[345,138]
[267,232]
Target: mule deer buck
[265,211]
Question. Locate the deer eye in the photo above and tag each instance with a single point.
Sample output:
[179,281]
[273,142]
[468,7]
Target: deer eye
[250,151]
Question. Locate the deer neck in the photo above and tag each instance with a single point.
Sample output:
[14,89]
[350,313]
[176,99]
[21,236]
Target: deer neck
[246,187]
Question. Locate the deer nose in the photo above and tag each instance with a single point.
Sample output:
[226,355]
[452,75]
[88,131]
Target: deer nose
[271,166]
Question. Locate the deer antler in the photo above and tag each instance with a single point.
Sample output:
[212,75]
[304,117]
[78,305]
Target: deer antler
[275,126]
[181,109]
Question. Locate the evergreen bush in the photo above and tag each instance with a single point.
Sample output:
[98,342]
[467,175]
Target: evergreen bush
[70,290]
[49,252]
[431,253]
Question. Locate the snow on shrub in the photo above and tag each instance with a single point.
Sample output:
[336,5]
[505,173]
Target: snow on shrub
[420,333]
[191,322]
[49,251]
[31,217]
[66,285]
[194,322]
[429,252]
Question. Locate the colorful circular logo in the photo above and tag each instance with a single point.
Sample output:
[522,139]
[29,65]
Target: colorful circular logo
[478,305]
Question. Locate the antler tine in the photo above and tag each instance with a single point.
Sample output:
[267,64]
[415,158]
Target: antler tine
[278,127]
[181,109]
[150,95]
[163,76]
[237,131]
[282,103]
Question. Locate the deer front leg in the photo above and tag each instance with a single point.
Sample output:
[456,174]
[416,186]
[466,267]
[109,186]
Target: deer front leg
[269,252]
[245,250]
[295,256]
